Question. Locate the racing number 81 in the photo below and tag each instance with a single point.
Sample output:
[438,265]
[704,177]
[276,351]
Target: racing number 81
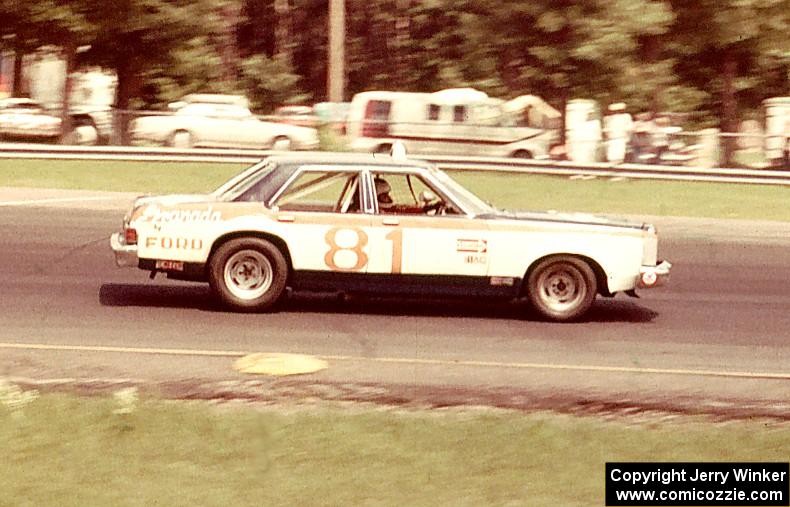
[396,236]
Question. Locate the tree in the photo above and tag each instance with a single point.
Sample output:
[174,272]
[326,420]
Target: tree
[47,23]
[18,33]
[558,49]
[62,23]
[726,47]
[135,37]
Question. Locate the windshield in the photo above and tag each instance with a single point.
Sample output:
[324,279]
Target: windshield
[214,110]
[467,199]
[242,181]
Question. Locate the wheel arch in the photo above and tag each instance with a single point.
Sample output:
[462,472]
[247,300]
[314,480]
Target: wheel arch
[80,119]
[522,153]
[177,130]
[601,280]
[384,147]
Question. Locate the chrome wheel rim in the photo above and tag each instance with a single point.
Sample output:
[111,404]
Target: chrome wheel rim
[561,288]
[248,274]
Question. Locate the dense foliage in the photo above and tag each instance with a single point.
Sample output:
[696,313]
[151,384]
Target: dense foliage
[716,59]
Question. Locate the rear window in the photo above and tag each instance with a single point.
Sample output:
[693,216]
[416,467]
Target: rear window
[377,115]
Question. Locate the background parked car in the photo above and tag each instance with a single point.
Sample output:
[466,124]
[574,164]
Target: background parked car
[213,125]
[302,116]
[210,98]
[25,119]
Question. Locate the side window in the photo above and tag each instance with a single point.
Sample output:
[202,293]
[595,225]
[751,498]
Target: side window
[322,191]
[433,112]
[409,194]
[459,114]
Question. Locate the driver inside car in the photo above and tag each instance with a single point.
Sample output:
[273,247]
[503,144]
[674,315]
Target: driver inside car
[383,196]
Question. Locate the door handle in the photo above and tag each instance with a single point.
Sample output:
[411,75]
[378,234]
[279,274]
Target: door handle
[390,221]
[285,218]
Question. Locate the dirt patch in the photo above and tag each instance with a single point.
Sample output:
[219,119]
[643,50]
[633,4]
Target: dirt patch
[290,391]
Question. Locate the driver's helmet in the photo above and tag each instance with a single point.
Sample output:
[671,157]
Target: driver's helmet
[383,193]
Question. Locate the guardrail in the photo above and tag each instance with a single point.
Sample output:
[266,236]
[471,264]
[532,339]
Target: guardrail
[511,165]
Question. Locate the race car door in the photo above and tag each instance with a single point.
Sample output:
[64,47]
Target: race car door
[322,208]
[421,241]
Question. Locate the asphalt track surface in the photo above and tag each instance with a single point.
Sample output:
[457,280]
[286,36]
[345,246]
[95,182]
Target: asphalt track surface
[716,340]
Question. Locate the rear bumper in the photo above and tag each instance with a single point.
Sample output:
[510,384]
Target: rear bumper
[125,255]
[654,276]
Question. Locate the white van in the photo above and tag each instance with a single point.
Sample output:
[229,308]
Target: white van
[459,121]
[777,130]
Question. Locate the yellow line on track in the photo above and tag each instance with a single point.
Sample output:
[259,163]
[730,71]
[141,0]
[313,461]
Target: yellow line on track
[417,361]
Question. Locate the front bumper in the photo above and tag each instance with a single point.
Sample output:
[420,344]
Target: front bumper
[653,276]
[125,255]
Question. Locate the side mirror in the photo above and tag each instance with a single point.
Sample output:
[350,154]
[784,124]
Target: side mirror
[427,197]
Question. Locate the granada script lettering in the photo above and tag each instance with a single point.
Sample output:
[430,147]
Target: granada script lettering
[155,215]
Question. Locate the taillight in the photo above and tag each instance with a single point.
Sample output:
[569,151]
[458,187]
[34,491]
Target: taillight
[130,236]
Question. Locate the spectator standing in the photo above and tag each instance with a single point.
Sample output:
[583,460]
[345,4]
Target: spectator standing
[618,127]
[660,137]
[641,142]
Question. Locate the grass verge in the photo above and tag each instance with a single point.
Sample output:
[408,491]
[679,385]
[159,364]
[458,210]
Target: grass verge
[637,197]
[115,176]
[68,451]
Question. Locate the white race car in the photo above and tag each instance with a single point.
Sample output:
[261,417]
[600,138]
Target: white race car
[377,224]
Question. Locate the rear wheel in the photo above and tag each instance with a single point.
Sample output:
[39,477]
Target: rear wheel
[562,288]
[248,274]
[383,148]
[522,154]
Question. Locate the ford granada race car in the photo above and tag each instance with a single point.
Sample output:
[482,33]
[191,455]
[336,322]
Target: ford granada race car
[377,224]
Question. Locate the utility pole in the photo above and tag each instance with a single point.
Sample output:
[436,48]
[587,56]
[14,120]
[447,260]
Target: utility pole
[229,52]
[401,40]
[336,74]
[283,43]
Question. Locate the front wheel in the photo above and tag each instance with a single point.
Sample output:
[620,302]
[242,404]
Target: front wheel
[248,274]
[562,288]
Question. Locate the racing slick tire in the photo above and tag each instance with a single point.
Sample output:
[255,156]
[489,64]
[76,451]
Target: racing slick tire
[248,274]
[562,288]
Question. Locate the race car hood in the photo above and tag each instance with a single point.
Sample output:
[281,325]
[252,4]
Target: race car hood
[570,218]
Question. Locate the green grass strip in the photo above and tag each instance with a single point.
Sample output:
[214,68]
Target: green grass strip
[68,451]
[115,176]
[514,191]
[637,197]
